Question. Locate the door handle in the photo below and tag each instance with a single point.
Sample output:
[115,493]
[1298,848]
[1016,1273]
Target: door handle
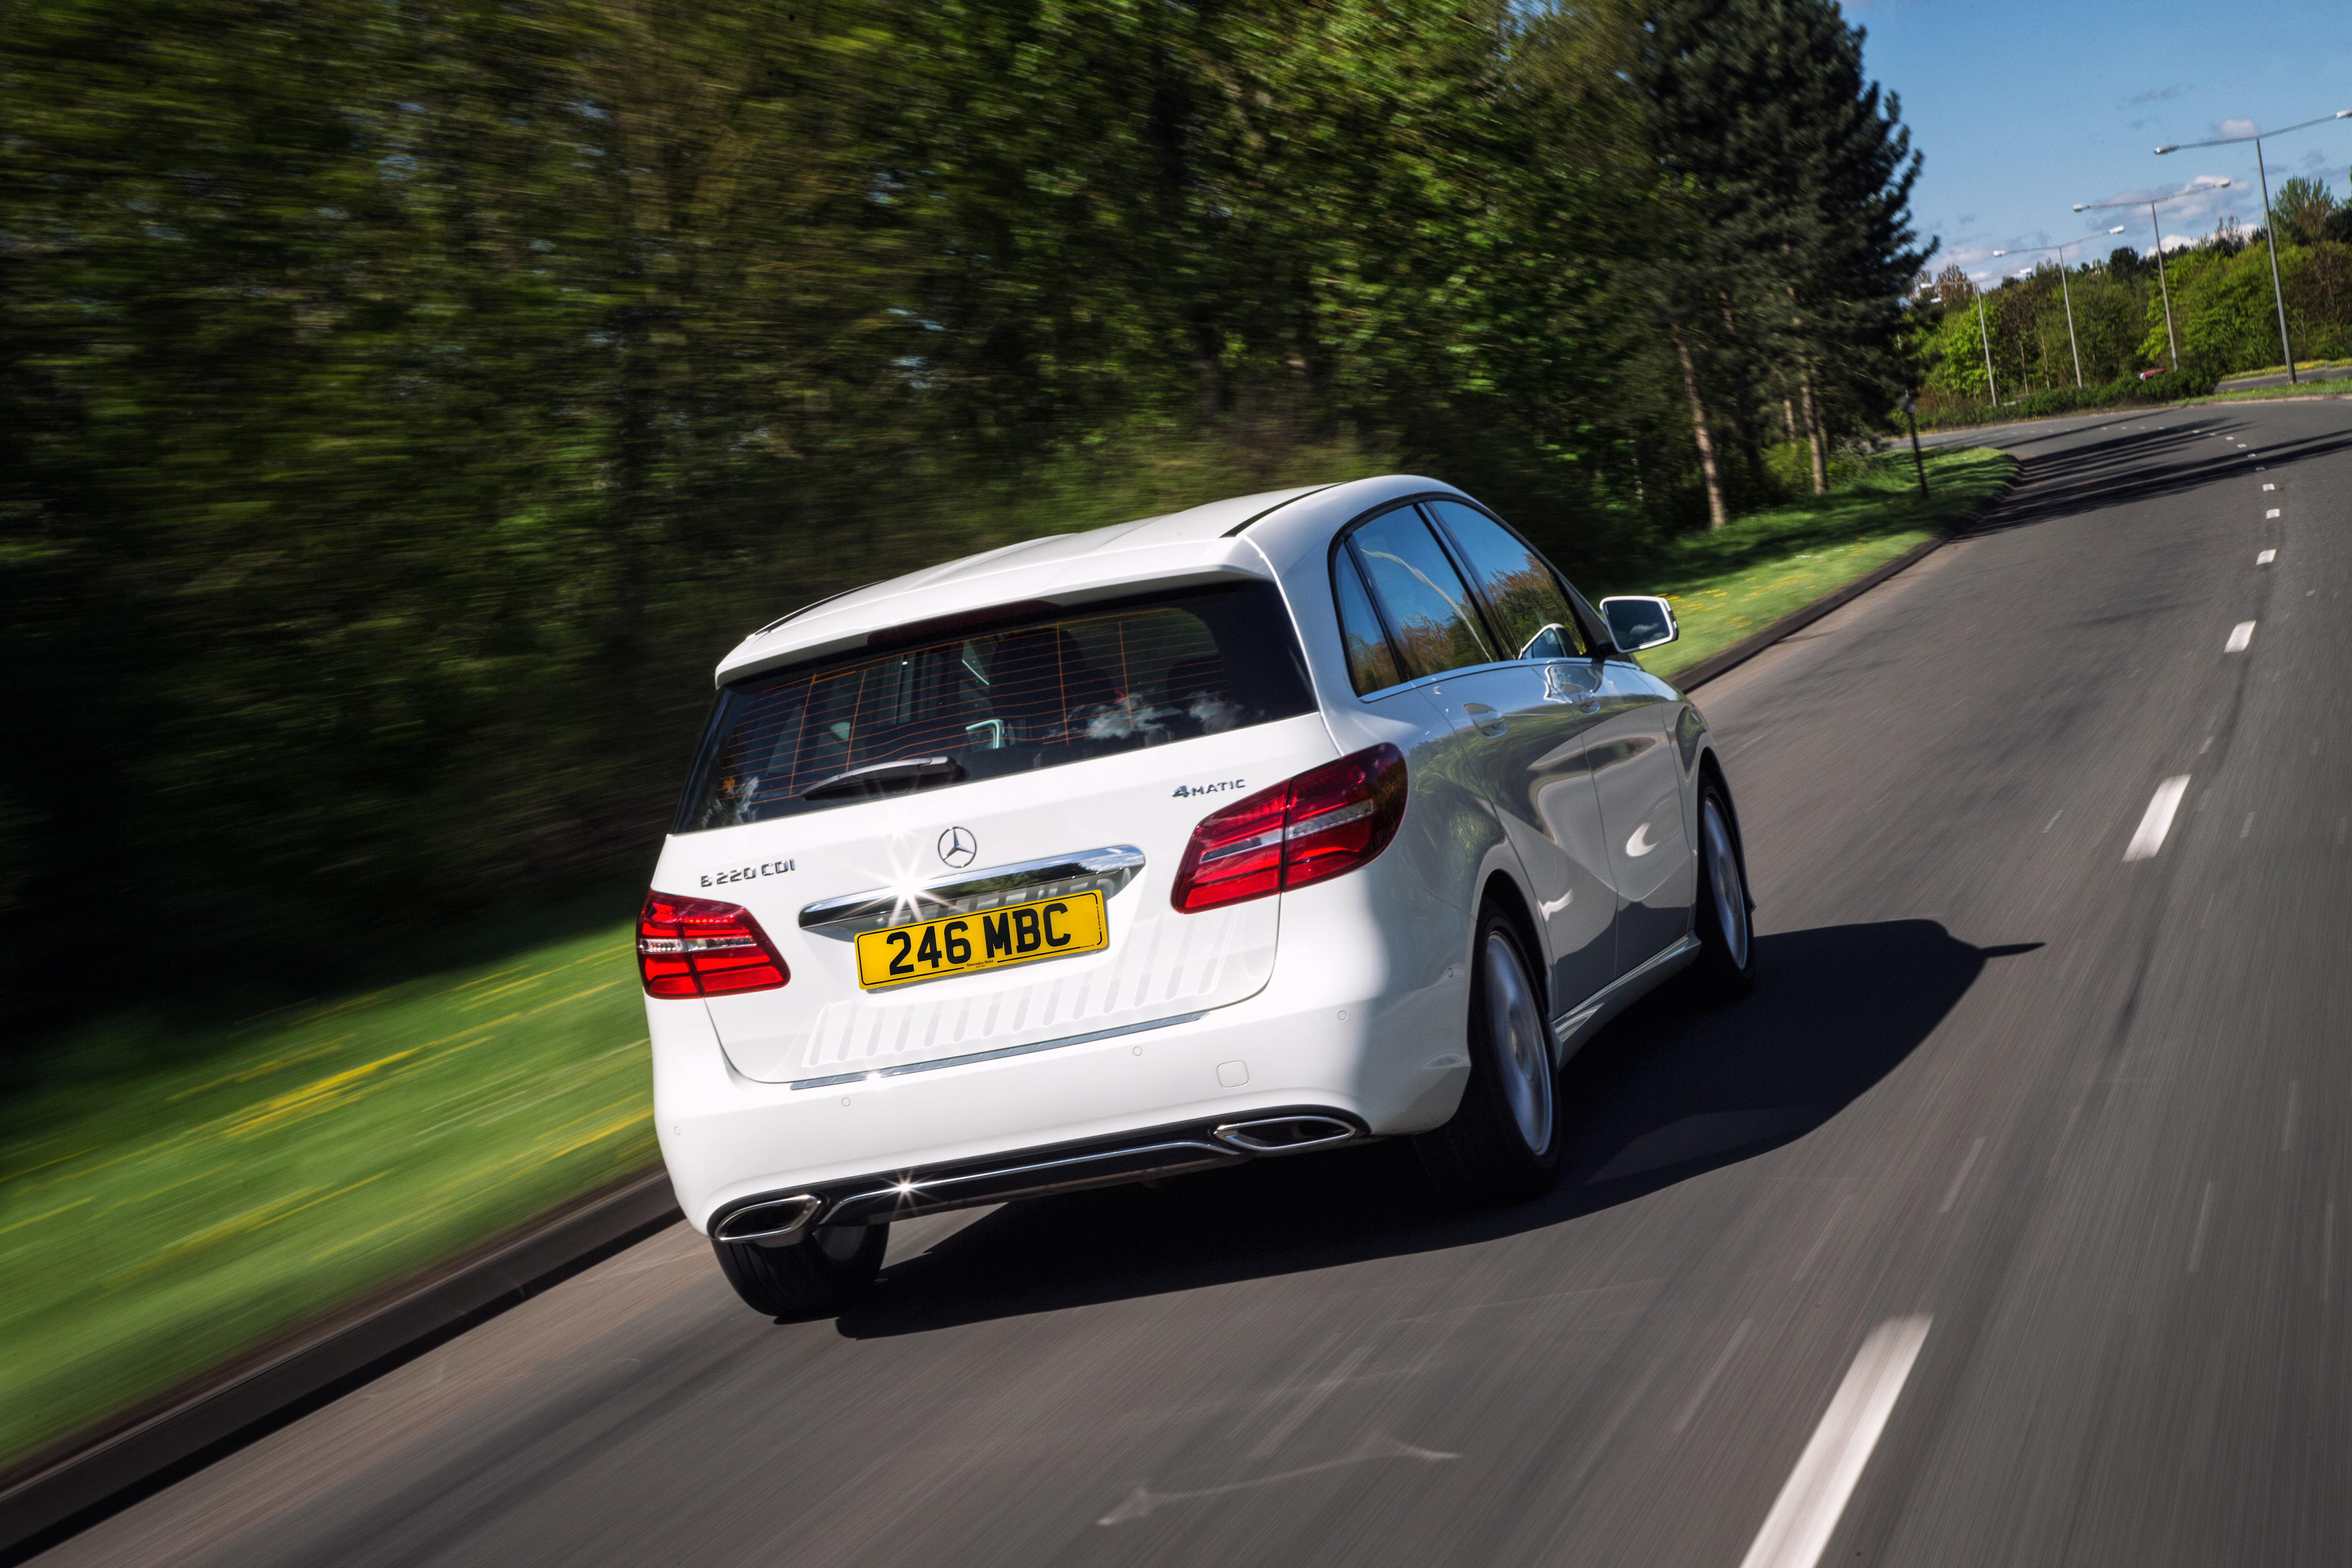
[1490,723]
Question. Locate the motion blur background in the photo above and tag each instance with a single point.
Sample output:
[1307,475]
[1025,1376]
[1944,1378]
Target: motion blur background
[402,406]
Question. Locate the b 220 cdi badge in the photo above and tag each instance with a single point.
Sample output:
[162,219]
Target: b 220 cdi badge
[1259,828]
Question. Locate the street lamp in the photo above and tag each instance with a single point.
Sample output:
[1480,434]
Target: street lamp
[2169,339]
[2063,289]
[1985,338]
[2270,229]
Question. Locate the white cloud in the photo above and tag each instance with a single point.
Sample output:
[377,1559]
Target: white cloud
[1972,260]
[2190,211]
[2234,128]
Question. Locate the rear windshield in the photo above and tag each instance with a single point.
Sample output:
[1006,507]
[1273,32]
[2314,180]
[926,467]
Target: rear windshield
[1051,688]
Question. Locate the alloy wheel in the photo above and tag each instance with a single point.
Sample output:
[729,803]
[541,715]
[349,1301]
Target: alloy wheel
[1723,882]
[1522,1044]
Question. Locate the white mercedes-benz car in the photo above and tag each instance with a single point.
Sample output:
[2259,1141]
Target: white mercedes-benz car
[1266,827]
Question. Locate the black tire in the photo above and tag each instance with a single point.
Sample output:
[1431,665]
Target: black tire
[816,1277]
[1502,1143]
[1726,969]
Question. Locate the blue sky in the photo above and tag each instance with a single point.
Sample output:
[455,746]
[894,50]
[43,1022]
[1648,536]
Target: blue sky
[2023,110]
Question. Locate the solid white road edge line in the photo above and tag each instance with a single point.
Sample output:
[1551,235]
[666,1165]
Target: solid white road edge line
[1797,1532]
[2239,636]
[2149,838]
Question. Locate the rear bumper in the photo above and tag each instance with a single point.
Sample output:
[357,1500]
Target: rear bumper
[1369,1033]
[781,1218]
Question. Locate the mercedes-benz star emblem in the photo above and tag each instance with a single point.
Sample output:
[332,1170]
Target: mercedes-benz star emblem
[958,846]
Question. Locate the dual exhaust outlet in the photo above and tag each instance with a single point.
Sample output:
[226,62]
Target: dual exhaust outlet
[783,1221]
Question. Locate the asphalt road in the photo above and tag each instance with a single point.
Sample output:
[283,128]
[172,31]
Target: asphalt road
[2037,1151]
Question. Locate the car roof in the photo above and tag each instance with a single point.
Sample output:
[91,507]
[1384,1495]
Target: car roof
[1201,544]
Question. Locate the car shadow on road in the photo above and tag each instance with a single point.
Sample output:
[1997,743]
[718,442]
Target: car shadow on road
[1671,1091]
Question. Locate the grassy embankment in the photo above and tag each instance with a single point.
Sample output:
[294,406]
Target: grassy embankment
[2307,392]
[2300,365]
[156,1220]
[153,1224]
[1731,583]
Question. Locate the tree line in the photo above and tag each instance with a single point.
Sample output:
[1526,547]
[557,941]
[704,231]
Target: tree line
[2224,316]
[401,405]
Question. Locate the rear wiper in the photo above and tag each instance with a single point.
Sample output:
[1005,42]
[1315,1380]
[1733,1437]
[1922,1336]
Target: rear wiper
[886,778]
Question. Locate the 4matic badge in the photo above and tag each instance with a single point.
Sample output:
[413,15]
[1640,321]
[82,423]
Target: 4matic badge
[1183,791]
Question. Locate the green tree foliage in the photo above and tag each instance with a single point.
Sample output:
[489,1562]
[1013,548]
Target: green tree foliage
[2227,315]
[2301,209]
[2224,315]
[401,406]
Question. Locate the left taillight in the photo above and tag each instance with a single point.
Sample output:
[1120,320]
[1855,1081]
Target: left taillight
[703,948]
[1325,821]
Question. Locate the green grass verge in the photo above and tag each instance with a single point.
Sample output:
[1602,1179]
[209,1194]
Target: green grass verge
[2300,365]
[1736,580]
[2307,392]
[155,1222]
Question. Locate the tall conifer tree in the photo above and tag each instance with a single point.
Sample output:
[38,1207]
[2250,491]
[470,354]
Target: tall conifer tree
[1790,179]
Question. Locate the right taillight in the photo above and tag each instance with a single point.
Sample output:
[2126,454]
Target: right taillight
[1325,821]
[703,948]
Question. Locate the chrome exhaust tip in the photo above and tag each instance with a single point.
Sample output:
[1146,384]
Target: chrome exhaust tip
[777,1222]
[1286,1135]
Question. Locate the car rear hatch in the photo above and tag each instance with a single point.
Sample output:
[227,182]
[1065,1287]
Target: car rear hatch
[961,843]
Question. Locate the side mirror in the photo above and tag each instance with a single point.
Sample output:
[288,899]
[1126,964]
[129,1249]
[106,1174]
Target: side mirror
[1638,620]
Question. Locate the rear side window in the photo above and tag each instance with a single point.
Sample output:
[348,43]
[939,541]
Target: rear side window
[1421,597]
[1038,692]
[1372,664]
[1530,606]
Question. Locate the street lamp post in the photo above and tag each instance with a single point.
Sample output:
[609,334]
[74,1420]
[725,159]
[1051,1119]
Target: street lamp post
[1985,338]
[2270,229]
[2065,291]
[2171,340]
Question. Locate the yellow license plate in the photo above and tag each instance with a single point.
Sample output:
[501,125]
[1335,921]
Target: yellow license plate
[1017,934]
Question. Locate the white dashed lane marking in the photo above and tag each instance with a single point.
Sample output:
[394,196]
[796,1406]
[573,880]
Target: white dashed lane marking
[1707,1382]
[2157,820]
[2267,557]
[2241,636]
[2204,1217]
[1952,1193]
[1797,1529]
[1835,1215]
